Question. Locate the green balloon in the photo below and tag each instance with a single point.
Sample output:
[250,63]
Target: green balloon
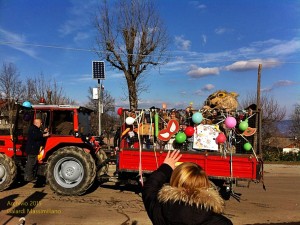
[247,146]
[243,125]
[180,137]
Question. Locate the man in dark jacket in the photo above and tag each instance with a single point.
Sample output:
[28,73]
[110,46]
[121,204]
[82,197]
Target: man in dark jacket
[171,205]
[35,140]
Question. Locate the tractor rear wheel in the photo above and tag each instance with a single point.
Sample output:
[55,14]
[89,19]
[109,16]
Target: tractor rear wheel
[8,171]
[70,171]
[102,166]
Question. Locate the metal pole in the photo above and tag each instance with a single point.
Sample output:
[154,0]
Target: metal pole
[99,106]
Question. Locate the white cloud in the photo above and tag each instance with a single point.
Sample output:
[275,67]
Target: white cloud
[222,30]
[17,42]
[197,72]
[278,84]
[197,5]
[204,39]
[81,36]
[79,17]
[208,87]
[182,43]
[252,64]
[283,48]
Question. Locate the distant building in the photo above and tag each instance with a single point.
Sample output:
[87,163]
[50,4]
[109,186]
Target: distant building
[284,144]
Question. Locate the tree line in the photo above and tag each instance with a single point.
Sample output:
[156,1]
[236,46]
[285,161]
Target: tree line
[14,90]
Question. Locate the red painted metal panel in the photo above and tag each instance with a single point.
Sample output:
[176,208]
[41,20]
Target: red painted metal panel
[215,165]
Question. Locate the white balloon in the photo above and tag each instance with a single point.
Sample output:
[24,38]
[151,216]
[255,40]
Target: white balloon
[129,120]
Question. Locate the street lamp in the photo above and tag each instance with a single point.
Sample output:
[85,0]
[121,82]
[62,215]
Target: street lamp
[99,74]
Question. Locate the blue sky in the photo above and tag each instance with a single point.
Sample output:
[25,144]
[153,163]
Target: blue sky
[215,45]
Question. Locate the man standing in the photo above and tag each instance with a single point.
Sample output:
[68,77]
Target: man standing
[34,142]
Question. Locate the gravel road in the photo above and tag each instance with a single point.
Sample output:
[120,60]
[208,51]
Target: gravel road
[113,205]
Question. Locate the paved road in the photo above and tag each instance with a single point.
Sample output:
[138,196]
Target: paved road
[111,205]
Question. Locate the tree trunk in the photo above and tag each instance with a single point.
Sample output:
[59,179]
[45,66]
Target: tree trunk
[132,94]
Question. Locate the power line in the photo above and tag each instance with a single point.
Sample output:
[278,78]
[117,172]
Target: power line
[168,57]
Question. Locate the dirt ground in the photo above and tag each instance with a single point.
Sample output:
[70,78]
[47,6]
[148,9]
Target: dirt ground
[113,205]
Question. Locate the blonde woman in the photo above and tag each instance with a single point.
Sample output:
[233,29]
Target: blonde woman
[182,195]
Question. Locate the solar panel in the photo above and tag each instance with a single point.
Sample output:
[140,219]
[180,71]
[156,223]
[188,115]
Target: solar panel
[98,70]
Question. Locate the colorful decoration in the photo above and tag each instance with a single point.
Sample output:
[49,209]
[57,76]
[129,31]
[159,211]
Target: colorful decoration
[125,131]
[197,117]
[243,125]
[247,146]
[120,111]
[221,138]
[230,122]
[222,100]
[156,124]
[129,120]
[189,131]
[205,137]
[249,131]
[171,129]
[180,137]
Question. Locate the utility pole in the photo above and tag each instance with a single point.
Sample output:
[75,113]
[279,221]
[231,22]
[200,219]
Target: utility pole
[258,106]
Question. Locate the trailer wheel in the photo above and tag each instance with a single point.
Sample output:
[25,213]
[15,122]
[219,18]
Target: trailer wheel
[102,166]
[8,171]
[70,171]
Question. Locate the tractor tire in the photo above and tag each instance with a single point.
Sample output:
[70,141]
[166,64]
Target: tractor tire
[102,166]
[8,172]
[70,171]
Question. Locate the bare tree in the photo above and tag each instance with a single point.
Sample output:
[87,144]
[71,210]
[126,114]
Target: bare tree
[132,38]
[272,113]
[11,88]
[108,118]
[50,90]
[295,117]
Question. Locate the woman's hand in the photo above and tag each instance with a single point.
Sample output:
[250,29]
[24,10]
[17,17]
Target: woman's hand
[172,158]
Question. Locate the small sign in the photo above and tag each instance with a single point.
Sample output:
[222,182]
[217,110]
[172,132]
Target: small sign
[95,93]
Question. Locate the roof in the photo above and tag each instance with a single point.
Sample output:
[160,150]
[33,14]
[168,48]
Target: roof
[60,107]
[281,142]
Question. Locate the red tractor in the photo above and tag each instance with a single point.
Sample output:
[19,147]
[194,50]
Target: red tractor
[70,159]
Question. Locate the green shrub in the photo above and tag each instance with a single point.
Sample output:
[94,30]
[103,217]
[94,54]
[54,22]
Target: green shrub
[276,156]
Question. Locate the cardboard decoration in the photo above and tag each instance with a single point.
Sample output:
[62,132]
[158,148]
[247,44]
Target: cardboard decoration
[172,128]
[145,129]
[205,137]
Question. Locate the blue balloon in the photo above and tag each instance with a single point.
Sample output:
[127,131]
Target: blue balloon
[26,104]
[197,117]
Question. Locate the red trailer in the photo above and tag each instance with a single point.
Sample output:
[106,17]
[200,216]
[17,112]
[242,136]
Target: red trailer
[148,134]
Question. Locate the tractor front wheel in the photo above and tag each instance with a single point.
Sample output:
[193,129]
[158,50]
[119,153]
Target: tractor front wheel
[8,172]
[71,171]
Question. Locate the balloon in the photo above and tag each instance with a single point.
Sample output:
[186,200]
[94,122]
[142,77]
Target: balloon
[180,137]
[129,120]
[189,131]
[197,117]
[230,122]
[221,138]
[26,104]
[243,125]
[247,146]
[120,111]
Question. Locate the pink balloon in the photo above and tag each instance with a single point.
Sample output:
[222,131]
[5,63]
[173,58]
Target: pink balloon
[230,122]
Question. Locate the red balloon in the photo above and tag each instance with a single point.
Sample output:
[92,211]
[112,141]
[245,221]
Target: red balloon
[120,111]
[189,131]
[221,138]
